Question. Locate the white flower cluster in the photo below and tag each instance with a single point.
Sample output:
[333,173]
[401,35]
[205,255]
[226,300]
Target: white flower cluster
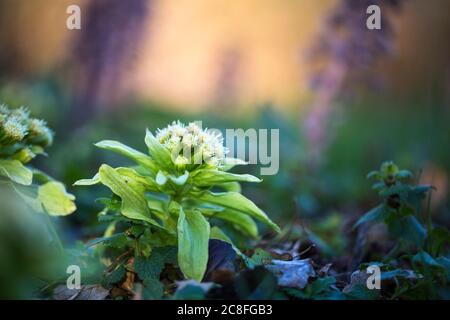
[192,145]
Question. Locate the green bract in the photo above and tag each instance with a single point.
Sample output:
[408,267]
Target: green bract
[21,139]
[170,190]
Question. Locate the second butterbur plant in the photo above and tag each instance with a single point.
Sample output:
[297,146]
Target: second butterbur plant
[174,190]
[22,138]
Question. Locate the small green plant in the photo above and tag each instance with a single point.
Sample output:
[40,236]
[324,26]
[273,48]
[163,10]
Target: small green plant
[420,244]
[169,197]
[401,203]
[22,138]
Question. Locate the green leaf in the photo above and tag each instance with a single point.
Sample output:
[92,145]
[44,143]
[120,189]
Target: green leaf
[40,176]
[118,240]
[16,171]
[230,187]
[131,191]
[256,284]
[261,257]
[55,199]
[153,289]
[321,285]
[376,214]
[374,174]
[239,220]
[218,234]
[404,174]
[151,267]
[159,154]
[193,237]
[115,276]
[88,182]
[424,258]
[30,196]
[397,273]
[230,163]
[408,228]
[361,292]
[161,178]
[137,156]
[190,292]
[209,177]
[180,180]
[236,201]
[440,237]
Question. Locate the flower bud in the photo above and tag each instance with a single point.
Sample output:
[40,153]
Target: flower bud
[12,131]
[21,113]
[24,155]
[4,109]
[39,133]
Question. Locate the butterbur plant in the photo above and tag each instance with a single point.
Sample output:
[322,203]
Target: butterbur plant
[172,193]
[22,138]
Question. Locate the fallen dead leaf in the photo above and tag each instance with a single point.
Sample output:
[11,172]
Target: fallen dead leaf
[294,274]
[86,292]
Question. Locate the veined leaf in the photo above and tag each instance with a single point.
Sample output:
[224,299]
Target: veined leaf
[30,195]
[151,267]
[40,176]
[148,182]
[159,154]
[409,228]
[55,199]
[129,152]
[208,177]
[132,193]
[230,187]
[236,201]
[88,182]
[193,237]
[376,214]
[230,163]
[16,171]
[239,220]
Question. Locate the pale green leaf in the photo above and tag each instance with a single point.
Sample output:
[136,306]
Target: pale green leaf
[180,180]
[55,199]
[132,193]
[159,154]
[238,202]
[88,182]
[193,239]
[239,220]
[230,187]
[379,213]
[230,163]
[129,152]
[209,177]
[16,171]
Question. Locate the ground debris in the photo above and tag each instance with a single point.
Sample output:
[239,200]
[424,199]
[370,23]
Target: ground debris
[86,292]
[294,273]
